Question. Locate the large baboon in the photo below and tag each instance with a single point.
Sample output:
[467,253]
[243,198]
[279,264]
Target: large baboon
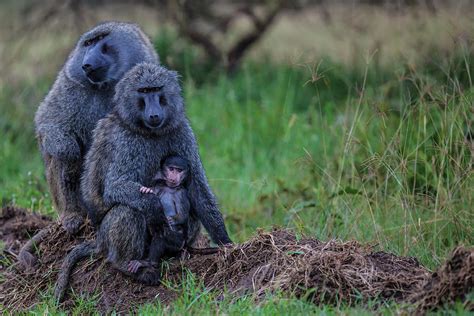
[147,124]
[81,95]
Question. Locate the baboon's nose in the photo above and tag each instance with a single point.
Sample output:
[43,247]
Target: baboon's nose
[154,120]
[86,67]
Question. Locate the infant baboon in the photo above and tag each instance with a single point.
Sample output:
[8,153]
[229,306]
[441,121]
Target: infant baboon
[169,239]
[147,124]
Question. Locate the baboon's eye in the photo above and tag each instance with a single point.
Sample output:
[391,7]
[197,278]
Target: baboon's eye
[143,90]
[162,100]
[91,41]
[105,49]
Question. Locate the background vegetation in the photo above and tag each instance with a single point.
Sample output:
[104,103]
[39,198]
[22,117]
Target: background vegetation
[357,128]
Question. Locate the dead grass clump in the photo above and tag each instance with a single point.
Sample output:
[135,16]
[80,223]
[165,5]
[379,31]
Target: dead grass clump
[325,272]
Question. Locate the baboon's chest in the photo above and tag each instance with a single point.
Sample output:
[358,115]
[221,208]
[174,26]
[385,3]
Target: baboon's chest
[146,157]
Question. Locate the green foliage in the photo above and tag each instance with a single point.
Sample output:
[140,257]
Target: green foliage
[21,174]
[381,155]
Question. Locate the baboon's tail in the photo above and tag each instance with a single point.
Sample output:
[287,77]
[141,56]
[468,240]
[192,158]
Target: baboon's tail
[26,255]
[79,252]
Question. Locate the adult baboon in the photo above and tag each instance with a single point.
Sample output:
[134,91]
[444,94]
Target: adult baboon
[147,124]
[81,95]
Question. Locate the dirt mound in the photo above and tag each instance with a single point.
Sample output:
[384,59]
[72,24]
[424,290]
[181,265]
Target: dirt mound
[21,289]
[451,282]
[324,272]
[18,225]
[320,271]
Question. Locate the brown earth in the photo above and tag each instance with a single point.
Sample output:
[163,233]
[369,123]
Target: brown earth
[323,272]
[18,225]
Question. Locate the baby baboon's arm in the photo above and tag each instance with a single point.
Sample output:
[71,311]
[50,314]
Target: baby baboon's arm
[146,190]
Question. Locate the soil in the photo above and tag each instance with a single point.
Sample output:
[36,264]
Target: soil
[323,272]
[18,225]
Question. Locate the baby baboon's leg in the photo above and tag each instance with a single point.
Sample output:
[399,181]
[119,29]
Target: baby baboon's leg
[156,251]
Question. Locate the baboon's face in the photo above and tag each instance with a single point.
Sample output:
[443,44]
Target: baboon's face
[149,97]
[174,174]
[104,54]
[152,104]
[100,56]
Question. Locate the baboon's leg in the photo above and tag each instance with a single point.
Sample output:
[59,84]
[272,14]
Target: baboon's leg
[150,275]
[157,248]
[64,184]
[122,234]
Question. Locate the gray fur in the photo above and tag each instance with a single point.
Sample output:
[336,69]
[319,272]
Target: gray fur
[126,155]
[65,119]
[172,237]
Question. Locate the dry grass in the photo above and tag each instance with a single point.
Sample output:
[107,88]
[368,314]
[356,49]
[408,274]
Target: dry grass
[324,272]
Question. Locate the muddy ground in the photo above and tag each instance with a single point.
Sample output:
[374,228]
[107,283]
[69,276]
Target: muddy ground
[323,272]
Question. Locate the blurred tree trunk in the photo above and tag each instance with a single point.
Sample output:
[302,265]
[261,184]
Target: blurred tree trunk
[208,20]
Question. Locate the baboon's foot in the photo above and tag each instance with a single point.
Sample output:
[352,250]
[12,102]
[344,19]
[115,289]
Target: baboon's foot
[72,223]
[135,265]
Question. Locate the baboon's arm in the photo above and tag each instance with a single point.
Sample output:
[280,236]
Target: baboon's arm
[204,204]
[202,200]
[119,189]
[59,144]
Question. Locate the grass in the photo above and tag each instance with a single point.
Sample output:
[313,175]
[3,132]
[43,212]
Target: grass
[380,154]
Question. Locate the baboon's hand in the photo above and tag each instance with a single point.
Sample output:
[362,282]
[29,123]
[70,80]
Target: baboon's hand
[146,190]
[126,192]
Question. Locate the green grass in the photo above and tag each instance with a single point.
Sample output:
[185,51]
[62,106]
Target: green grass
[380,155]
